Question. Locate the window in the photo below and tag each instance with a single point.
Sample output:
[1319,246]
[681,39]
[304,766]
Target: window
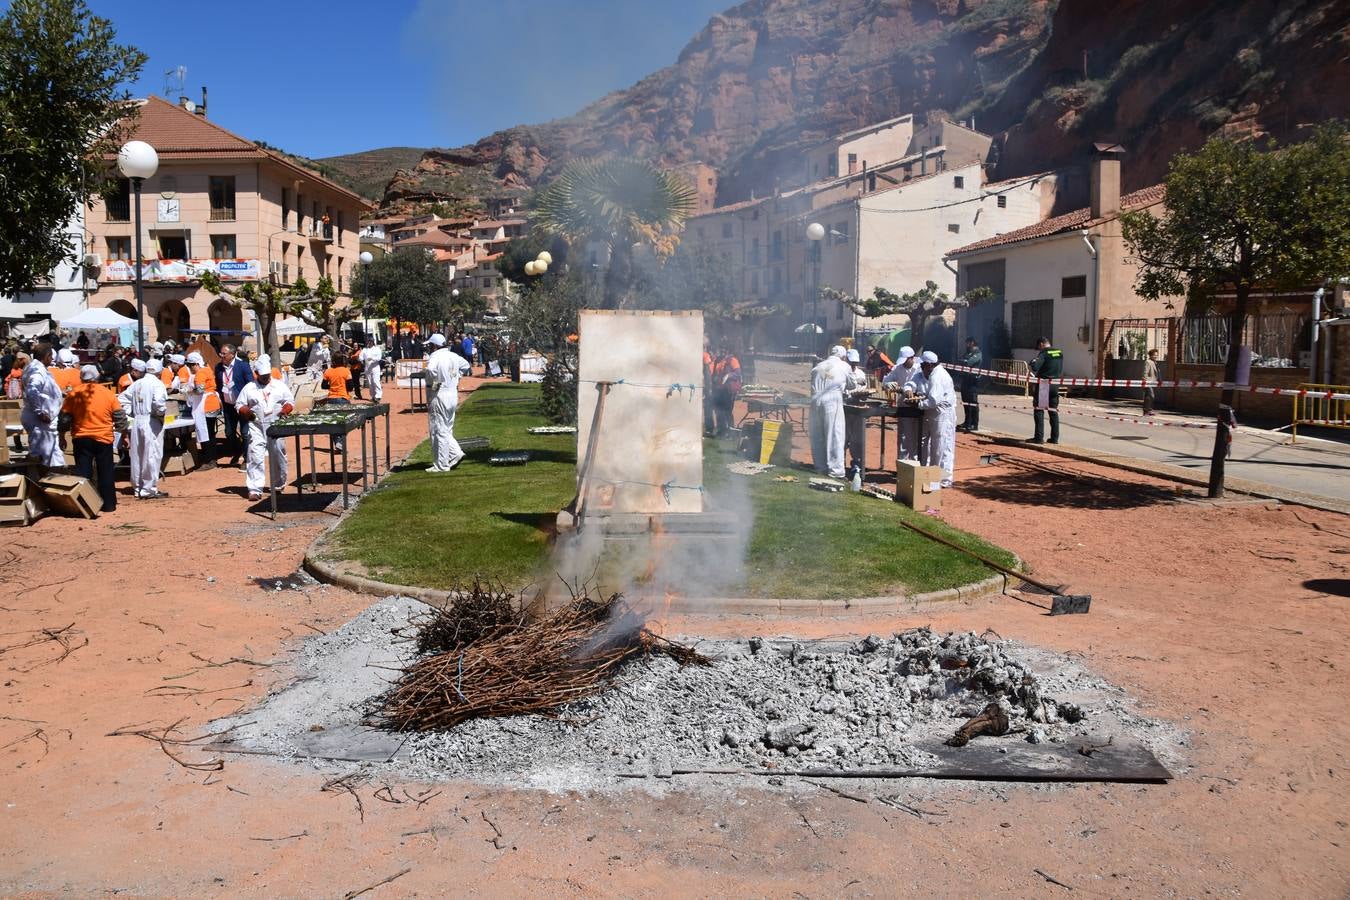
[222,198]
[168,184]
[754,252]
[726,231]
[1075,286]
[487,283]
[299,212]
[754,283]
[286,208]
[1002,201]
[172,245]
[871,182]
[339,279]
[1031,320]
[340,226]
[119,248]
[954,228]
[958,181]
[852,163]
[117,202]
[833,168]
[777,281]
[222,246]
[839,234]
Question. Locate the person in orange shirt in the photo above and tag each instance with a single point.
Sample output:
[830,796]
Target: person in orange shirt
[166,373]
[66,374]
[14,390]
[726,378]
[182,377]
[200,388]
[94,410]
[336,377]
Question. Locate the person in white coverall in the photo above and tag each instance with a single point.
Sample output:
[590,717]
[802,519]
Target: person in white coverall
[144,403]
[42,399]
[372,360]
[260,404]
[444,368]
[320,357]
[827,414]
[939,417]
[907,378]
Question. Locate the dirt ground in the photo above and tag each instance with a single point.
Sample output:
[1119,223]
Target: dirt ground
[1229,620]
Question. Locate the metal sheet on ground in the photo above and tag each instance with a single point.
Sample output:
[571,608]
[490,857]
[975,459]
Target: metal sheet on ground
[1085,759]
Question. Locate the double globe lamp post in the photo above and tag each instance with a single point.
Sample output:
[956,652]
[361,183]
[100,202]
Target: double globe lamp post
[137,161]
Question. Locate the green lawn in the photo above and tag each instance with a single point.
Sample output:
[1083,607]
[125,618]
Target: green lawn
[441,530]
[437,530]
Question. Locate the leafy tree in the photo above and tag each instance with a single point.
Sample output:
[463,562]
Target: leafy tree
[269,302]
[1241,219]
[919,306]
[61,113]
[544,316]
[468,306]
[620,204]
[410,285]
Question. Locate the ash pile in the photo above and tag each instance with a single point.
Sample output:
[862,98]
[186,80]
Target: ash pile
[772,704]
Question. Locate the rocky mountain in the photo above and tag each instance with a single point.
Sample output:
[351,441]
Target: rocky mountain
[368,172]
[769,77]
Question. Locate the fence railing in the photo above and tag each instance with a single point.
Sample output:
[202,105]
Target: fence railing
[1275,338]
[1319,409]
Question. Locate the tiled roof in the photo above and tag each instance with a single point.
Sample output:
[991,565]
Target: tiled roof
[176,133]
[1078,219]
[432,238]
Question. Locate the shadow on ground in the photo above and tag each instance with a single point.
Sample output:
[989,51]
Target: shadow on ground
[1035,489]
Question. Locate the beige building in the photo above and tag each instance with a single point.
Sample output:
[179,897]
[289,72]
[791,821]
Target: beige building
[1066,278]
[219,202]
[887,223]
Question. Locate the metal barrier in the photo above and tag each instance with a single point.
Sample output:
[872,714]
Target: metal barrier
[1317,408]
[1017,368]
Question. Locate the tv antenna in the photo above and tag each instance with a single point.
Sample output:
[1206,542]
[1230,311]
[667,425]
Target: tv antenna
[175,81]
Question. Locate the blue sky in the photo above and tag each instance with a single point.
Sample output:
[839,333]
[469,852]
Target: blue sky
[323,78]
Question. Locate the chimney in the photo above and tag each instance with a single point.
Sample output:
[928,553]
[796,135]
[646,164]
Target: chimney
[923,160]
[201,110]
[1104,189]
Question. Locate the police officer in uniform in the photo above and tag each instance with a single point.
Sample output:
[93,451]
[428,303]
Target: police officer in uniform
[1049,363]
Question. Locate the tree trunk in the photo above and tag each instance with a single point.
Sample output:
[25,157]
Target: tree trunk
[917,324]
[1221,433]
[267,324]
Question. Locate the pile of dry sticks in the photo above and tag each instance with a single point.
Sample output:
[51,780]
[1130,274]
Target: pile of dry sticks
[488,658]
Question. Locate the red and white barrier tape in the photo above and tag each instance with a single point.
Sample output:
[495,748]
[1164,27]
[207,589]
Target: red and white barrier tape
[1134,420]
[1140,383]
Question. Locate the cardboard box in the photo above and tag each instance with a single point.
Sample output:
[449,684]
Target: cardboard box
[181,463]
[71,495]
[21,503]
[916,486]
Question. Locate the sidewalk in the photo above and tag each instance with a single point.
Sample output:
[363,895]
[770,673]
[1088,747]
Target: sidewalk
[1178,446]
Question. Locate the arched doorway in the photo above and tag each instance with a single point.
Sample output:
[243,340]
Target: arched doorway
[225,316]
[123,308]
[173,321]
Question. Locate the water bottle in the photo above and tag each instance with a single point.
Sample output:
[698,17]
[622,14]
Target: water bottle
[856,482]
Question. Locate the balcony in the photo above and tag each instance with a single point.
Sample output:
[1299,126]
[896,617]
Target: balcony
[222,214]
[321,232]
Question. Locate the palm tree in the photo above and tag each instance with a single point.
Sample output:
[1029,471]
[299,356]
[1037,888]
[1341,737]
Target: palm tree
[620,204]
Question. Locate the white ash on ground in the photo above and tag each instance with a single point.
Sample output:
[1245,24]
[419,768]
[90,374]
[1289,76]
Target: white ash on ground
[778,703]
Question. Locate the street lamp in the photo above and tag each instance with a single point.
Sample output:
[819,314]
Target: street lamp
[137,161]
[366,259]
[815,232]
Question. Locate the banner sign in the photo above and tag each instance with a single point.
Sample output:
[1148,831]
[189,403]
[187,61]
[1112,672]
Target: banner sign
[183,270]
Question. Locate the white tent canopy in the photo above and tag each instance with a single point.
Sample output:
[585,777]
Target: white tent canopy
[292,327]
[96,318]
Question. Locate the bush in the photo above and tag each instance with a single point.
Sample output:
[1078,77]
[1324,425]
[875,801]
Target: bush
[558,402]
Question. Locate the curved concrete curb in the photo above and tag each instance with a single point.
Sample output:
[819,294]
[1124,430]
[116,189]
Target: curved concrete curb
[794,608]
